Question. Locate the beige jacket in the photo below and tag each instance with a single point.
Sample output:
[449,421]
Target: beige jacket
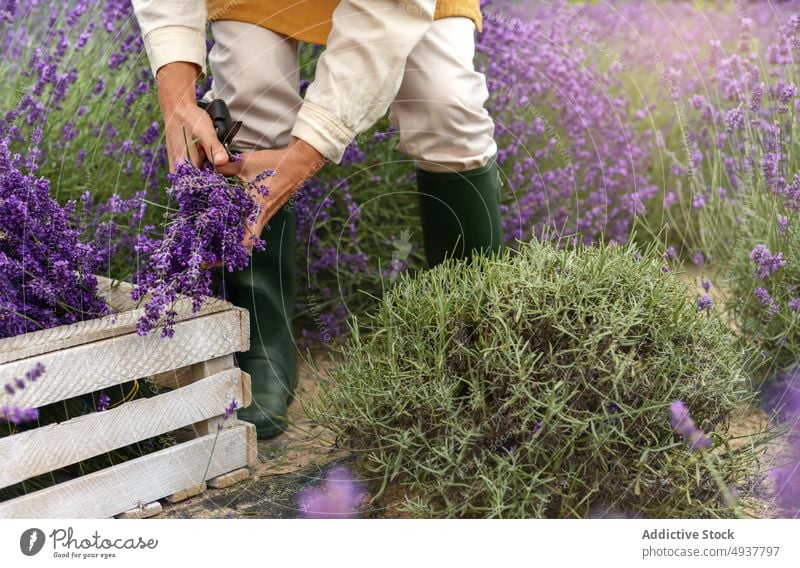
[357,77]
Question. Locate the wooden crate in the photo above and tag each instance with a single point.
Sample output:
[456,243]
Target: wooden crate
[196,364]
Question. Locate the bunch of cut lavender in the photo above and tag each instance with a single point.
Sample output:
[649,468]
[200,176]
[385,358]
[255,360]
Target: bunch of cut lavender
[46,272]
[205,226]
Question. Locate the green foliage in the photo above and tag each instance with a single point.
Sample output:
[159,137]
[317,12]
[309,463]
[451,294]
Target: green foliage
[531,384]
[771,332]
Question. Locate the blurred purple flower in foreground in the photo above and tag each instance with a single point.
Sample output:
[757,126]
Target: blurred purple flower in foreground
[786,477]
[339,496]
[684,425]
[14,414]
[17,416]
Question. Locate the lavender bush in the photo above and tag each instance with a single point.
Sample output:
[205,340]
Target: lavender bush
[533,384]
[77,71]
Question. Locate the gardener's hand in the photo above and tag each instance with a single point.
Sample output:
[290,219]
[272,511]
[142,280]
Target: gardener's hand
[293,166]
[186,124]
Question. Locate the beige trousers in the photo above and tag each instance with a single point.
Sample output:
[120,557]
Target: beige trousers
[439,110]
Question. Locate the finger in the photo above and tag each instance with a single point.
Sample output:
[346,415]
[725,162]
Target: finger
[197,156]
[177,154]
[174,156]
[215,152]
[231,168]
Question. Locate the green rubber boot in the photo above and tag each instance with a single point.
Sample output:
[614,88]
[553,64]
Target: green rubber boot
[266,289]
[460,212]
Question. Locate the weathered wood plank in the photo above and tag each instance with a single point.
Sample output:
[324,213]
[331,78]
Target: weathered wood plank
[186,376]
[81,333]
[143,480]
[117,294]
[178,378]
[34,452]
[102,364]
[252,446]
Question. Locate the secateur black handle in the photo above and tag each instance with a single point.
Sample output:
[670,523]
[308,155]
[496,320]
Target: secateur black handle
[225,127]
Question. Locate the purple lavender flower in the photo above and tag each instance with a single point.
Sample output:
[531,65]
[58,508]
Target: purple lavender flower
[705,284]
[684,425]
[206,227]
[715,53]
[705,303]
[46,273]
[17,416]
[14,414]
[339,496]
[762,296]
[35,373]
[699,201]
[788,93]
[734,120]
[756,98]
[766,263]
[102,402]
[230,409]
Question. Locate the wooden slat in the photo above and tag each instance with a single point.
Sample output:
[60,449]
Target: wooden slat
[82,333]
[178,378]
[34,452]
[117,294]
[143,480]
[88,368]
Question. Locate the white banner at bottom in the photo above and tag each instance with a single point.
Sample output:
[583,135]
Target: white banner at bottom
[402,543]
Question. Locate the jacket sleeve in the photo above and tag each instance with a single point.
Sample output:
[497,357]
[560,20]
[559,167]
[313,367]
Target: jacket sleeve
[173,30]
[360,72]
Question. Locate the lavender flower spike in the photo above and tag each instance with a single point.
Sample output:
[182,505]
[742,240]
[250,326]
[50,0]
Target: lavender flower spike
[17,416]
[685,426]
[339,496]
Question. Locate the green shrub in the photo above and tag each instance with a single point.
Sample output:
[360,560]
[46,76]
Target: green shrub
[532,384]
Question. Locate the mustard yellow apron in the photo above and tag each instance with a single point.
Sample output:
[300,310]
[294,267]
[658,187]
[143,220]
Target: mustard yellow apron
[310,20]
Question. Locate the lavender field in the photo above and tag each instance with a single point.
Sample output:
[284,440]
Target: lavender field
[659,130]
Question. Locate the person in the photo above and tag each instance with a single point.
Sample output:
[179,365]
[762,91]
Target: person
[413,58]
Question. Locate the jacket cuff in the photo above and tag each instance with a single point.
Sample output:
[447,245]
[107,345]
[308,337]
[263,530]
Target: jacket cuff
[329,135]
[168,44]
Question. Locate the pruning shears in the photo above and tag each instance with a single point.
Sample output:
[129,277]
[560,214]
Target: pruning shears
[225,127]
